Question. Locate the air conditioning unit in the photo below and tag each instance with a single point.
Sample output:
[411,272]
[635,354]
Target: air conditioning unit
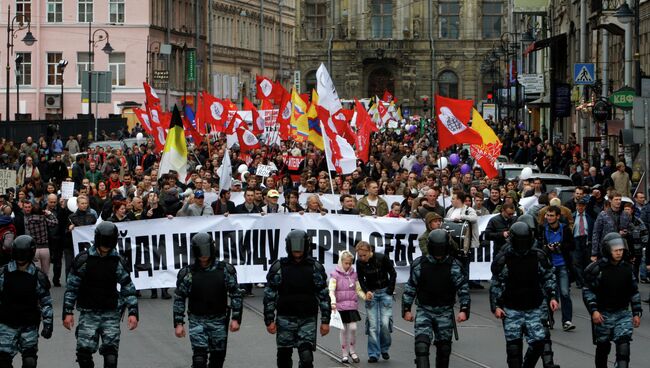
[53,101]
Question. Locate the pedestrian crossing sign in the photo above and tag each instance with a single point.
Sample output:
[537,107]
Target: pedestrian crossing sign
[584,73]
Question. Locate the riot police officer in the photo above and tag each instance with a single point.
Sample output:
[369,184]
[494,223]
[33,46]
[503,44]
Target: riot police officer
[522,280]
[91,286]
[296,288]
[207,284]
[434,281]
[610,290]
[24,301]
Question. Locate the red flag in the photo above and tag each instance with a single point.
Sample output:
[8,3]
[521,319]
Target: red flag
[343,128]
[258,121]
[152,97]
[145,121]
[284,115]
[388,97]
[213,111]
[247,140]
[159,121]
[266,89]
[266,105]
[234,124]
[324,117]
[365,126]
[187,125]
[452,117]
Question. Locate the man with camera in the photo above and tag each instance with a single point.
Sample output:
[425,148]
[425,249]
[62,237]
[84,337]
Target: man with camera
[558,243]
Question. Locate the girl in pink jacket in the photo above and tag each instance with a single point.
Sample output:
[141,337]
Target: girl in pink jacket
[344,288]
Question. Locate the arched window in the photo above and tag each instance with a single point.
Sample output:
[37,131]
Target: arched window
[310,81]
[448,84]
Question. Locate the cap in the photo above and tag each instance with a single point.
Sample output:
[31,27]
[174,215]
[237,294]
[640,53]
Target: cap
[115,170]
[236,182]
[273,193]
[584,200]
[199,194]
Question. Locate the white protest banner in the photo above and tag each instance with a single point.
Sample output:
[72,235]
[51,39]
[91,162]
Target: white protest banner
[7,180]
[67,189]
[528,202]
[263,170]
[157,249]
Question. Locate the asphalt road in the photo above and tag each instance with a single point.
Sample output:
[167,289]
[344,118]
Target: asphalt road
[481,344]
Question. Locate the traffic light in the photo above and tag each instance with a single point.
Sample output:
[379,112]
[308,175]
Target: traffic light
[425,103]
[490,96]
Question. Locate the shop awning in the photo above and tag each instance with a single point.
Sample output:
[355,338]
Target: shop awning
[544,101]
[538,45]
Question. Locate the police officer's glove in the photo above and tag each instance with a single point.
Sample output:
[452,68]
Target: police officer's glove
[46,332]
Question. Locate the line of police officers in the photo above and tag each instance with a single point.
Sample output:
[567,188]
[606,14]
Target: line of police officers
[522,288]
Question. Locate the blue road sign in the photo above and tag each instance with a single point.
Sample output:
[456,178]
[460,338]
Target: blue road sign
[584,73]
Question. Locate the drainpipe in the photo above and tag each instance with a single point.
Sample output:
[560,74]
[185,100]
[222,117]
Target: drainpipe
[433,56]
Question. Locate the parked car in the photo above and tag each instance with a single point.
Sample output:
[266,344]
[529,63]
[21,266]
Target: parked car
[509,172]
[553,181]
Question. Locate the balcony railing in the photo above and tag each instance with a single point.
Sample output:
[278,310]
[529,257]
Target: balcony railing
[598,6]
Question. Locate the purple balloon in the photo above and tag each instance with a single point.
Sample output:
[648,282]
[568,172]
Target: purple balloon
[465,169]
[413,129]
[454,159]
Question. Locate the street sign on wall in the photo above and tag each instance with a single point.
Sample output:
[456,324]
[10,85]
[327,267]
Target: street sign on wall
[533,83]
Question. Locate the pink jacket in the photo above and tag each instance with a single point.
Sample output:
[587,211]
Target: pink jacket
[345,293]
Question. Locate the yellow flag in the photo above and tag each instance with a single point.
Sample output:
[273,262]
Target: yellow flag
[315,134]
[481,126]
[299,123]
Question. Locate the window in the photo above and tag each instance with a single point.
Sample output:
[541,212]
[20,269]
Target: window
[492,14]
[449,19]
[53,72]
[116,10]
[85,11]
[382,18]
[24,8]
[54,11]
[448,84]
[117,66]
[316,16]
[84,63]
[24,71]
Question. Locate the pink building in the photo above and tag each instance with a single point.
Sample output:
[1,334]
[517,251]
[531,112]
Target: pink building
[61,28]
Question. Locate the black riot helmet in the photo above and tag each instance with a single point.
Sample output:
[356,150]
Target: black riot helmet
[298,241]
[528,220]
[611,242]
[521,237]
[438,243]
[23,249]
[106,235]
[202,245]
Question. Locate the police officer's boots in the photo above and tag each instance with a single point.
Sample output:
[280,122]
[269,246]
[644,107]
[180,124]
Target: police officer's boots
[547,355]
[443,351]
[602,351]
[623,355]
[514,350]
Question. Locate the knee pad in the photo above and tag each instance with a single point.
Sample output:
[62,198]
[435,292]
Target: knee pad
[29,358]
[306,355]
[443,347]
[422,344]
[284,357]
[85,358]
[200,358]
[514,350]
[622,353]
[217,357]
[110,360]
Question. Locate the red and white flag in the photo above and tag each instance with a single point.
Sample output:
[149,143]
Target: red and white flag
[247,140]
[341,121]
[339,153]
[151,95]
[365,127]
[145,121]
[284,115]
[267,89]
[452,118]
[212,111]
[258,121]
[234,124]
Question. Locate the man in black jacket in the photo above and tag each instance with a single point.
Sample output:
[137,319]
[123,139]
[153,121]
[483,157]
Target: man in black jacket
[377,278]
[249,203]
[497,228]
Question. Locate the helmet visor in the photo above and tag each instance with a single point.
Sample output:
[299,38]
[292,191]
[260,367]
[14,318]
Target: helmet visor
[616,244]
[296,244]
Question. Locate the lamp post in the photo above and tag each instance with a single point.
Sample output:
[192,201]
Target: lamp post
[19,61]
[12,33]
[95,37]
[61,65]
[625,15]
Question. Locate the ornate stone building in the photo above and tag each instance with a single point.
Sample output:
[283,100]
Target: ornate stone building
[376,45]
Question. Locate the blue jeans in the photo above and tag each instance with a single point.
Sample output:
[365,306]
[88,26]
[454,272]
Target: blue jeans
[564,292]
[379,322]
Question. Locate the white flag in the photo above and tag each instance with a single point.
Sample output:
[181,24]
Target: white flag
[225,172]
[327,96]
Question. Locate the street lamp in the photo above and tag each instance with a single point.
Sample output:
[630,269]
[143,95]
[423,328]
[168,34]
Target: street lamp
[19,61]
[61,65]
[624,14]
[12,33]
[95,37]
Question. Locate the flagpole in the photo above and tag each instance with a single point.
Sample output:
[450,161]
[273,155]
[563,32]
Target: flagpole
[327,160]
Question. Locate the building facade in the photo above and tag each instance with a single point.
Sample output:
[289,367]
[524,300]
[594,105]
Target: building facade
[411,49]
